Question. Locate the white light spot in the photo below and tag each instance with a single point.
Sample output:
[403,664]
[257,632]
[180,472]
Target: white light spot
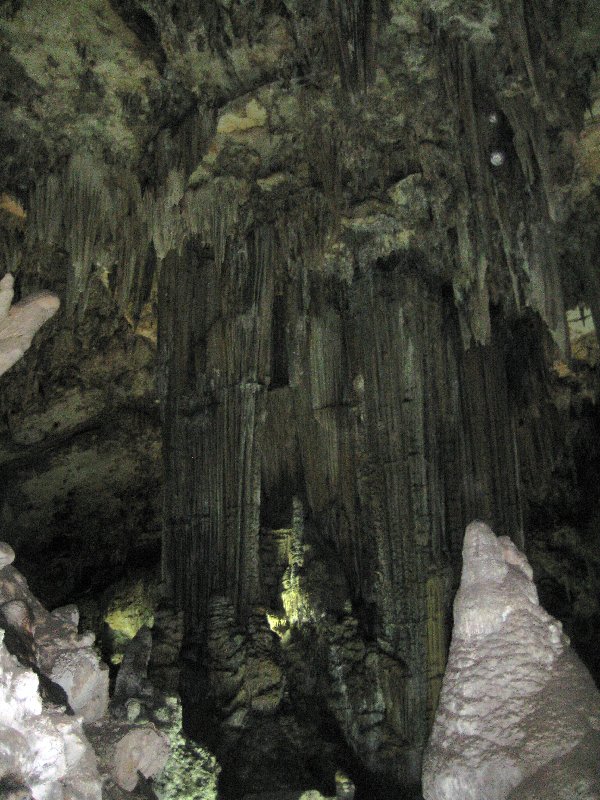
[497,158]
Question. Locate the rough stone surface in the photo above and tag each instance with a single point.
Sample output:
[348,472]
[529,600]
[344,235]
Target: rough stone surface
[42,751]
[7,554]
[167,638]
[519,715]
[20,323]
[80,450]
[124,749]
[52,643]
[191,770]
[132,677]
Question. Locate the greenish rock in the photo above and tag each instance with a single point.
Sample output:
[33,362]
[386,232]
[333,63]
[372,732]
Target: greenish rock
[191,772]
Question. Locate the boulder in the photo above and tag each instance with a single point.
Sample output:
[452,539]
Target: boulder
[43,752]
[51,642]
[124,750]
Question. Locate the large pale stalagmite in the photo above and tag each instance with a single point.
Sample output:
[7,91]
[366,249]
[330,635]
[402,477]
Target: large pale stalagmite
[519,715]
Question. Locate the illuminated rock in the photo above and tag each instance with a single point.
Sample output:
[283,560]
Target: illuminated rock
[52,642]
[43,753]
[20,323]
[519,715]
[191,771]
[7,554]
[344,786]
[78,671]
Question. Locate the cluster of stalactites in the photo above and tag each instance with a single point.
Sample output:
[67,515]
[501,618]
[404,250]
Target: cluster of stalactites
[108,224]
[514,192]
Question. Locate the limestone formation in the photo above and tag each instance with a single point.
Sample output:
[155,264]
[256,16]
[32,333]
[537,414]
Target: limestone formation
[191,771]
[43,751]
[167,638]
[52,643]
[42,748]
[7,554]
[344,786]
[44,754]
[132,677]
[19,323]
[351,229]
[124,749]
[519,715]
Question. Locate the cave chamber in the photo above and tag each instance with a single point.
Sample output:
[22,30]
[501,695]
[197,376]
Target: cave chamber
[330,285]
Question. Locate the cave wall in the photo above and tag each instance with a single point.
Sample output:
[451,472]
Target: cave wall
[387,431]
[81,454]
[367,377]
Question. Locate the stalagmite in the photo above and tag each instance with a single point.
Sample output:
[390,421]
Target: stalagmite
[519,715]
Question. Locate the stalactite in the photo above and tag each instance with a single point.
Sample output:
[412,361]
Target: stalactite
[436,643]
[214,399]
[105,221]
[11,250]
[45,212]
[213,212]
[499,230]
[86,219]
[353,41]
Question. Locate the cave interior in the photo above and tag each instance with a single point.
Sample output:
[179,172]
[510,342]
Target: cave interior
[330,284]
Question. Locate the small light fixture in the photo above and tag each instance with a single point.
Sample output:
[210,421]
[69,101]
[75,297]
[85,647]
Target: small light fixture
[497,158]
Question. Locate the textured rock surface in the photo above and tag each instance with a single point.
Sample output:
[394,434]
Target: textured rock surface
[42,751]
[51,642]
[41,747]
[132,677]
[124,750]
[80,453]
[7,554]
[519,715]
[191,771]
[20,323]
[167,638]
